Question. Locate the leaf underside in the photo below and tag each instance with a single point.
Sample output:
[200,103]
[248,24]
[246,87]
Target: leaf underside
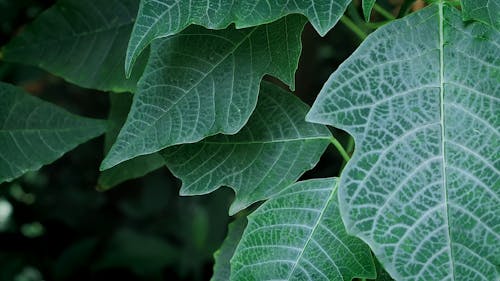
[421,98]
[162,18]
[82,41]
[271,152]
[203,82]
[299,235]
[34,132]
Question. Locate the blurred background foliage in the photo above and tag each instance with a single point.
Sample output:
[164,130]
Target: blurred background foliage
[55,225]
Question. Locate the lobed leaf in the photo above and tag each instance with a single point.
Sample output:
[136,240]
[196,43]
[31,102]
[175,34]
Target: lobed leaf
[271,152]
[203,82]
[34,133]
[133,168]
[84,42]
[299,235]
[421,98]
[486,11]
[162,18]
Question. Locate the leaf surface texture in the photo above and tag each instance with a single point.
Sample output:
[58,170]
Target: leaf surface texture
[299,235]
[421,98]
[267,155]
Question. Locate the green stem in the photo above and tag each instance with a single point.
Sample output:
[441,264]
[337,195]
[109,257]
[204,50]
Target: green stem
[353,27]
[383,12]
[375,25]
[340,148]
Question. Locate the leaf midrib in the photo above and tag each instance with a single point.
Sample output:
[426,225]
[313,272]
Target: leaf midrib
[443,134]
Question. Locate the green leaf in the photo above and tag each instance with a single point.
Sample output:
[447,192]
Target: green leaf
[161,18]
[299,235]
[82,41]
[34,133]
[203,82]
[133,168]
[486,11]
[222,267]
[367,8]
[267,155]
[421,96]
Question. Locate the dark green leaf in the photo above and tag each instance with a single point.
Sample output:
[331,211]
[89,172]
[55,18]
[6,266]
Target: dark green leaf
[133,168]
[82,41]
[34,133]
[161,18]
[486,11]
[222,267]
[267,155]
[203,82]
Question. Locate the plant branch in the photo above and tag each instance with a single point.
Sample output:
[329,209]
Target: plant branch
[340,149]
[383,12]
[353,27]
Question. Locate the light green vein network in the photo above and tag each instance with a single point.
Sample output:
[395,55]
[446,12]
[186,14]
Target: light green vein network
[269,153]
[421,96]
[299,235]
[161,18]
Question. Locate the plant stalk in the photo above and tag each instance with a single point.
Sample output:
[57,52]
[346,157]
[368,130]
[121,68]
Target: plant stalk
[353,27]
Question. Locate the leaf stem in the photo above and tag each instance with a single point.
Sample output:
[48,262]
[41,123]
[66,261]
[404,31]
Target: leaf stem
[340,149]
[383,12]
[353,27]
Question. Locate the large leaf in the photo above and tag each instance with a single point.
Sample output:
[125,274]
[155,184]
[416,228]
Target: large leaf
[133,168]
[34,133]
[421,96]
[267,155]
[161,18]
[487,11]
[203,82]
[82,41]
[299,235]
[222,267]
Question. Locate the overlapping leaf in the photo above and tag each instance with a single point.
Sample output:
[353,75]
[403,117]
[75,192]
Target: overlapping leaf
[133,168]
[367,6]
[203,82]
[299,235]
[487,11]
[222,267]
[421,96]
[82,41]
[267,155]
[161,18]
[34,133]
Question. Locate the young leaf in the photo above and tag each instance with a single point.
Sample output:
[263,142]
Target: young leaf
[34,133]
[222,268]
[486,11]
[299,235]
[203,82]
[367,8]
[267,155]
[421,96]
[133,168]
[161,18]
[82,41]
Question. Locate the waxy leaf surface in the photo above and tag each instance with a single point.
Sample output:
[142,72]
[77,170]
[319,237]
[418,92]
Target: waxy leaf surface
[271,152]
[421,96]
